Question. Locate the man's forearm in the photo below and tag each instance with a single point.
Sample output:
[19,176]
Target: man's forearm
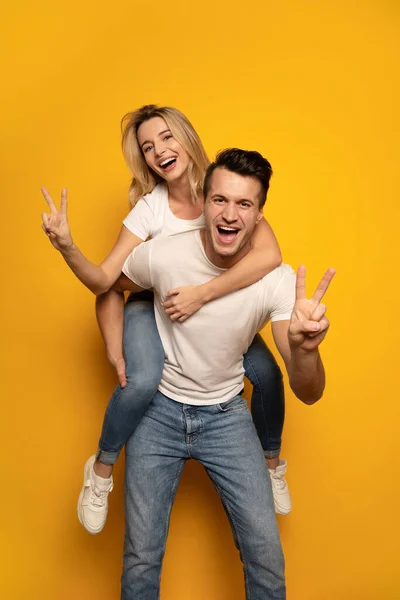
[307,375]
[110,317]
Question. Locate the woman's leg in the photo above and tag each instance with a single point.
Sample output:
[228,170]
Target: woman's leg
[144,357]
[268,411]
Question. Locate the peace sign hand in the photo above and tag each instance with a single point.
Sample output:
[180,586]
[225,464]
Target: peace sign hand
[55,225]
[308,324]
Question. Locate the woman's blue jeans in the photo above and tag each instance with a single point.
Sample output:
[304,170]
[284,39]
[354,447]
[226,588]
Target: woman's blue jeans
[144,357]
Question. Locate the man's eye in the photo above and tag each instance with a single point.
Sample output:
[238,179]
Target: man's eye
[219,200]
[245,204]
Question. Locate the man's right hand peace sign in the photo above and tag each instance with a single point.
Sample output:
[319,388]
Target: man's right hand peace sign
[308,323]
[55,225]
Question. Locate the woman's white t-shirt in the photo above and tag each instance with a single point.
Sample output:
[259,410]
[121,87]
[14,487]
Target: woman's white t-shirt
[152,217]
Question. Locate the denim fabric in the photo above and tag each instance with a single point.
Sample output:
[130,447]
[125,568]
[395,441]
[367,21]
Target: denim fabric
[268,398]
[144,356]
[223,439]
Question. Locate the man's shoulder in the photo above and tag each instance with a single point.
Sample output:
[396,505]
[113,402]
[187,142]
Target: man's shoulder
[283,272]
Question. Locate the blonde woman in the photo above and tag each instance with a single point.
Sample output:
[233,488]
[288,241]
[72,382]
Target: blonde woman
[168,162]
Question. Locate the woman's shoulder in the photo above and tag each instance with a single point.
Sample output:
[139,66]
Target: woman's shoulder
[159,194]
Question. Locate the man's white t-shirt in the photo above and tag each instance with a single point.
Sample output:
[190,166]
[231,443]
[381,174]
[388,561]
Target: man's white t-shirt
[152,217]
[204,355]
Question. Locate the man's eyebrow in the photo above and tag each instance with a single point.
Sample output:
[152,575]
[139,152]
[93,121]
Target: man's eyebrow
[161,132]
[218,195]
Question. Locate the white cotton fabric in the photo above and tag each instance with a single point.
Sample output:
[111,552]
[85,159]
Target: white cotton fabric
[152,217]
[204,355]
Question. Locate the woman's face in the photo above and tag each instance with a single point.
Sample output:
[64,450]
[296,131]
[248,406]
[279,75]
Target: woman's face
[162,153]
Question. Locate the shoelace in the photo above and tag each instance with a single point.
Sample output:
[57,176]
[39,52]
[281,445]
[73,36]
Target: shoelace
[279,481]
[98,497]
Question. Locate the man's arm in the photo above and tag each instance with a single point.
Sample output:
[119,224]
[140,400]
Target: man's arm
[305,369]
[298,340]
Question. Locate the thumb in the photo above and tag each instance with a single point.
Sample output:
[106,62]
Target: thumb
[303,327]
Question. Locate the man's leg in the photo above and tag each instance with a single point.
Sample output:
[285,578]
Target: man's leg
[228,447]
[155,456]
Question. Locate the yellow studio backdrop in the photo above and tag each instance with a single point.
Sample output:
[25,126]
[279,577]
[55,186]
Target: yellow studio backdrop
[313,86]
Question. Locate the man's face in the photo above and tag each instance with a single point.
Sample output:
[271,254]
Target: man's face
[231,213]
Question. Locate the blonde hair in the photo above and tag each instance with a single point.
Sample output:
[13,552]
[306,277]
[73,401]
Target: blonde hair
[144,179]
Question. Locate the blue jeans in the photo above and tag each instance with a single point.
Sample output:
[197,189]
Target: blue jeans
[144,356]
[268,398]
[223,439]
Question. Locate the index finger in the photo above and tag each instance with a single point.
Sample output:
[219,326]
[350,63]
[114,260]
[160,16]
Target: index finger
[64,203]
[301,282]
[323,285]
[49,200]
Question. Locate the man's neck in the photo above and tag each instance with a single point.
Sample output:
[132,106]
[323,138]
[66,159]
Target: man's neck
[222,262]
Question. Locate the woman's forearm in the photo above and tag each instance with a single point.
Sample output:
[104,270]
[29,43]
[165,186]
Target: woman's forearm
[91,275]
[99,278]
[264,257]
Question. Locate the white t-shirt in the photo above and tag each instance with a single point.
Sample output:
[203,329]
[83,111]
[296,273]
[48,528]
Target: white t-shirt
[152,217]
[204,355]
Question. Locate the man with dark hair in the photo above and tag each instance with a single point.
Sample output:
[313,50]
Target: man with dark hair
[198,411]
[248,163]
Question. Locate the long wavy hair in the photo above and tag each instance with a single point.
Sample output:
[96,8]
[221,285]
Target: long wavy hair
[144,179]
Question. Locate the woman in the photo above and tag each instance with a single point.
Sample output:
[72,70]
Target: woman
[168,162]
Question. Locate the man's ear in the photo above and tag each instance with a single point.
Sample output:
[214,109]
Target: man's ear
[259,217]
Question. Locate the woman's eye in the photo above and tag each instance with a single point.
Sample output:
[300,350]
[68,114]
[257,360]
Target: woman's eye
[147,148]
[167,137]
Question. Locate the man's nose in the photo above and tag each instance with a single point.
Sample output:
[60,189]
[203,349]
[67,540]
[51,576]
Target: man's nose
[230,212]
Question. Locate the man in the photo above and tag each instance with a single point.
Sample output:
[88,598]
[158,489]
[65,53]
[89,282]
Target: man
[199,411]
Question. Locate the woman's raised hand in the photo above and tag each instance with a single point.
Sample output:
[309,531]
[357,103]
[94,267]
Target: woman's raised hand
[55,225]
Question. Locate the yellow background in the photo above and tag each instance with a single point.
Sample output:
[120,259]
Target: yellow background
[313,86]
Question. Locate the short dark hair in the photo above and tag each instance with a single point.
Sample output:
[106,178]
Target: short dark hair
[248,163]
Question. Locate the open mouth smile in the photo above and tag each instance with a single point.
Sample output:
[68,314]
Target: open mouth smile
[227,234]
[168,164]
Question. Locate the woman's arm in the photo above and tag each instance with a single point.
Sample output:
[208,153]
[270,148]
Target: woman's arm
[97,278]
[263,258]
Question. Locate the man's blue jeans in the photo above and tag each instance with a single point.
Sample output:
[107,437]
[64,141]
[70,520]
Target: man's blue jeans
[144,356]
[223,439]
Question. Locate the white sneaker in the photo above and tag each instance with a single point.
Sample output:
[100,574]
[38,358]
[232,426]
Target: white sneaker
[93,503]
[280,490]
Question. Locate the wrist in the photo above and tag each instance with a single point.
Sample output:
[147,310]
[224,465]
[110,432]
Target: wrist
[207,292]
[299,353]
[68,248]
[115,357]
